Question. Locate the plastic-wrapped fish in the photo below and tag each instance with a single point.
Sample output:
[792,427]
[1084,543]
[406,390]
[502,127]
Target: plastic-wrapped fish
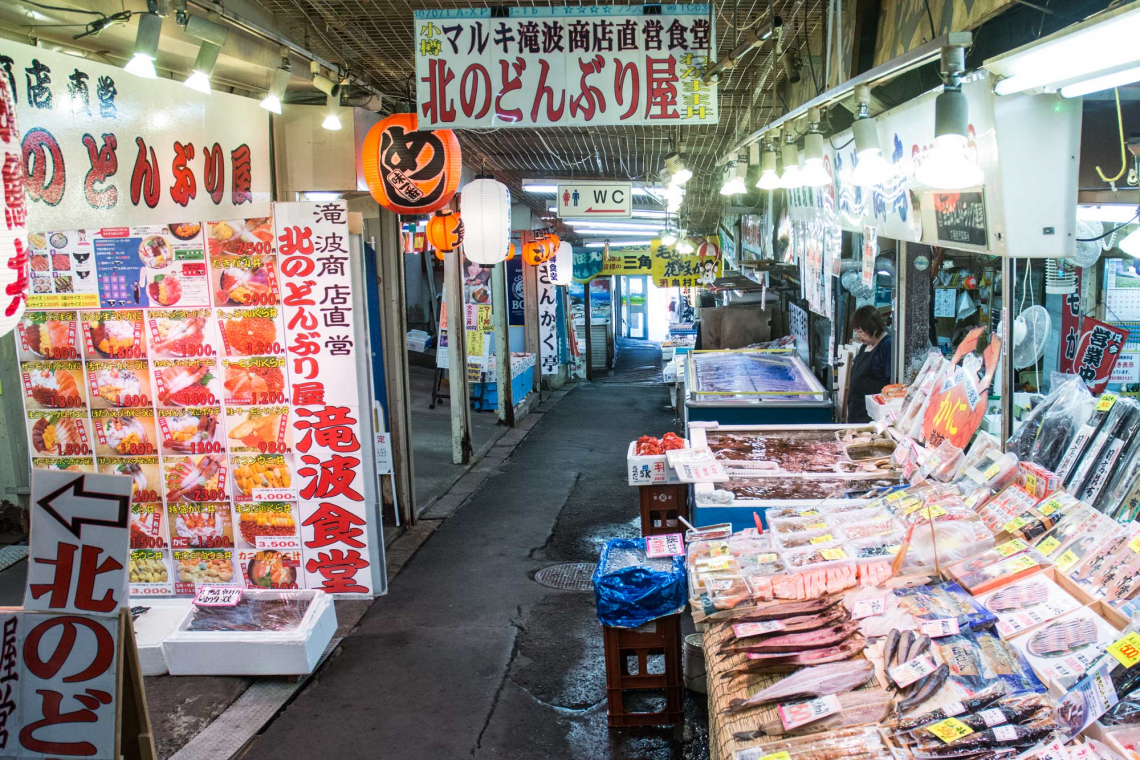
[980,701]
[856,708]
[821,680]
[1017,597]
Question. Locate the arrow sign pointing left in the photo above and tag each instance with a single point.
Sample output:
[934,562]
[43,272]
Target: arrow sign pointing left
[89,500]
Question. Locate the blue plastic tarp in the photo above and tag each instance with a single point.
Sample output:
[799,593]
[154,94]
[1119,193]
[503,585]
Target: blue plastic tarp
[630,590]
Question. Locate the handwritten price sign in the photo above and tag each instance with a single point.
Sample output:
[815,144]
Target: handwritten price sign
[217,596]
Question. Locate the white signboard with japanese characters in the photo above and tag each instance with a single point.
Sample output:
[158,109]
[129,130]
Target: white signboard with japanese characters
[566,65]
[104,148]
[594,200]
[547,320]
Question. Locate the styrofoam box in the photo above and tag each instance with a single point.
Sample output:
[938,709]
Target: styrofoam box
[153,626]
[648,470]
[254,653]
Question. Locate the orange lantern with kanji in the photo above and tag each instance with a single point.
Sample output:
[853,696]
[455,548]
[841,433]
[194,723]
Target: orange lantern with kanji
[533,252]
[410,171]
[510,252]
[445,231]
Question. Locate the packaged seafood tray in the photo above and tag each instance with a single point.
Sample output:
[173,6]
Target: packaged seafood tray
[817,558]
[1041,517]
[864,743]
[1111,571]
[875,548]
[1031,602]
[988,571]
[268,633]
[945,600]
[819,538]
[788,525]
[793,449]
[648,470]
[947,542]
[1081,526]
[871,528]
[1010,502]
[777,490]
[1063,649]
[978,659]
[994,727]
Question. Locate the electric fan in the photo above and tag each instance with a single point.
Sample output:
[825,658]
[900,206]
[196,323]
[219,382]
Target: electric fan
[1030,335]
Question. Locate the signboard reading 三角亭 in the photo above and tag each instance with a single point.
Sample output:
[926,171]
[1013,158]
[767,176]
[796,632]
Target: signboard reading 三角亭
[565,65]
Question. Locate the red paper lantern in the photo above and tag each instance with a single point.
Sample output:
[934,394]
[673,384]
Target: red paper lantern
[445,231]
[409,171]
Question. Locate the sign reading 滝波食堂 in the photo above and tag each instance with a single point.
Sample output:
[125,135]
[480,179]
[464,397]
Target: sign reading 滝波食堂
[566,65]
[103,148]
[594,200]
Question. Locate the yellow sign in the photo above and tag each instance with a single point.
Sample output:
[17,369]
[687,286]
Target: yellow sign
[1106,402]
[1066,561]
[1030,482]
[667,267]
[63,301]
[777,756]
[1048,546]
[1016,523]
[824,539]
[1050,507]
[1127,650]
[833,553]
[1009,548]
[1134,544]
[950,730]
[933,512]
[817,526]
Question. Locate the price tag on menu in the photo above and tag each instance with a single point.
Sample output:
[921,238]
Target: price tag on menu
[218,596]
[868,607]
[669,545]
[743,630]
[1010,548]
[1126,650]
[950,730]
[798,714]
[941,627]
[912,670]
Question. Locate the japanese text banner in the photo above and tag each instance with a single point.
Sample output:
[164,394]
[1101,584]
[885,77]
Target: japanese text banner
[565,65]
[103,148]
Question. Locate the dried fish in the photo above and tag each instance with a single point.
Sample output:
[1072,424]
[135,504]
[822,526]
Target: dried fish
[781,610]
[817,681]
[890,647]
[905,642]
[855,709]
[920,645]
[926,688]
[779,662]
[979,701]
[1017,597]
[1062,637]
[798,623]
[796,642]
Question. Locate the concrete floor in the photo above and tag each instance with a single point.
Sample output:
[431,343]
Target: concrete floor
[431,438]
[468,656]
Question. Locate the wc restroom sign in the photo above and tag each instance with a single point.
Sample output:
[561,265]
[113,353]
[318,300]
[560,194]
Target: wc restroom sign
[594,200]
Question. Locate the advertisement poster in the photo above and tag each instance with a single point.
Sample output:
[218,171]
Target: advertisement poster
[594,65]
[212,363]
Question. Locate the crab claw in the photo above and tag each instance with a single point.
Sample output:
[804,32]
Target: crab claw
[968,344]
[990,356]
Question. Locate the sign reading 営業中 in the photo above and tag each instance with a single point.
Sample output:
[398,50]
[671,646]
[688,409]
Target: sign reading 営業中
[598,200]
[103,148]
[565,65]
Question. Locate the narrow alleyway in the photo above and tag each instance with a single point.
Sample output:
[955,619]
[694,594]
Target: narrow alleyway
[468,656]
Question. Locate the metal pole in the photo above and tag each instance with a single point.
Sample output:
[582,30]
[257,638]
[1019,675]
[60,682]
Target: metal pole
[460,394]
[500,311]
[589,333]
[1008,282]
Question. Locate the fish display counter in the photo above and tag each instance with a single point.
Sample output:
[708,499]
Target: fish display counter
[754,387]
[979,610]
[772,467]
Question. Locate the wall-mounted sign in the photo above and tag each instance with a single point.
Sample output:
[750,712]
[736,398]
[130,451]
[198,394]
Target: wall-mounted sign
[565,65]
[597,200]
[870,253]
[668,268]
[960,219]
[103,148]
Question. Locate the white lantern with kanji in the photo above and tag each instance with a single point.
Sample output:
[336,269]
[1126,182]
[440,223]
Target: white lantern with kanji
[485,206]
[14,270]
[562,265]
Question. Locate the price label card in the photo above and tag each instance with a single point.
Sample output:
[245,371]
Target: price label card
[1134,544]
[912,670]
[835,552]
[817,526]
[1050,507]
[950,730]
[1030,482]
[941,627]
[218,596]
[1010,548]
[868,607]
[762,558]
[277,543]
[1005,733]
[992,471]
[1066,561]
[1126,650]
[1106,402]
[805,712]
[896,495]
[669,545]
[273,494]
[719,549]
[743,630]
[777,756]
[954,708]
[933,512]
[1015,524]
[826,538]
[993,717]
[1017,564]
[1048,546]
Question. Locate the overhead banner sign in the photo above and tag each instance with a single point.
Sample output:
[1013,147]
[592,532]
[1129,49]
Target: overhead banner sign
[103,148]
[561,66]
[598,200]
[667,268]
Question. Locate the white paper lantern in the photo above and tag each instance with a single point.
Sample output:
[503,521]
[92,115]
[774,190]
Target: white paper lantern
[485,206]
[14,269]
[562,265]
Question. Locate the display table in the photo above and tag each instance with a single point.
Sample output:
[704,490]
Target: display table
[753,388]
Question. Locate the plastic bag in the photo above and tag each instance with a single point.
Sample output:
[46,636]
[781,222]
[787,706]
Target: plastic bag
[631,589]
[1045,433]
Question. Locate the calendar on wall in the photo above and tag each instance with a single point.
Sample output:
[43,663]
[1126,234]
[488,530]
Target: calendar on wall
[1121,291]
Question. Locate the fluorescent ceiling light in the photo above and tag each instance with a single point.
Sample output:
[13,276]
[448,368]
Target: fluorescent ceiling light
[622,244]
[320,196]
[1094,48]
[606,231]
[540,188]
[638,213]
[332,121]
[1105,82]
[648,225]
[200,81]
[1114,213]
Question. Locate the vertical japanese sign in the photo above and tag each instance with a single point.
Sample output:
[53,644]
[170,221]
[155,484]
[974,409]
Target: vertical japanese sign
[565,65]
[870,253]
[312,246]
[547,320]
[1095,352]
[59,656]
[102,148]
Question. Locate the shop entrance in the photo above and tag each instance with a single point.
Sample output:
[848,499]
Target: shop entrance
[635,308]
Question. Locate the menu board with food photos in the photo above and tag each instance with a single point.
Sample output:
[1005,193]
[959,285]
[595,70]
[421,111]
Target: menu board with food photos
[160,352]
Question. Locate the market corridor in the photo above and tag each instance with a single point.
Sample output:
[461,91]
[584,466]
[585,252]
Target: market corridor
[468,656]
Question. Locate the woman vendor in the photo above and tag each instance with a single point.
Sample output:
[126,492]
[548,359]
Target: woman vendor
[871,370]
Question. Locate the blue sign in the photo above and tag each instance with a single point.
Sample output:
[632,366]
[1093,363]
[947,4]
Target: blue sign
[515,291]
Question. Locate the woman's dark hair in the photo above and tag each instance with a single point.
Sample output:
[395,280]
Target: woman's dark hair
[869,320]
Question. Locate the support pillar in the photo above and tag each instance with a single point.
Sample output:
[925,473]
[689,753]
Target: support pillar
[459,389]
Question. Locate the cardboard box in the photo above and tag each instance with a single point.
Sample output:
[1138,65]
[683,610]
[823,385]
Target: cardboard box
[648,470]
[254,653]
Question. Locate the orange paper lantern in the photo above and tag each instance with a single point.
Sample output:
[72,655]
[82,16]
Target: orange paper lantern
[533,253]
[510,251]
[445,231]
[409,171]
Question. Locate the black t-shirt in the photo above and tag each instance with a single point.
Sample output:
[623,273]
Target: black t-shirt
[871,371]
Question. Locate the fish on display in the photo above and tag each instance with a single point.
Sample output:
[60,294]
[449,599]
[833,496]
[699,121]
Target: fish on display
[817,681]
[980,701]
[795,642]
[781,662]
[925,688]
[855,709]
[794,624]
[782,610]
[1017,597]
